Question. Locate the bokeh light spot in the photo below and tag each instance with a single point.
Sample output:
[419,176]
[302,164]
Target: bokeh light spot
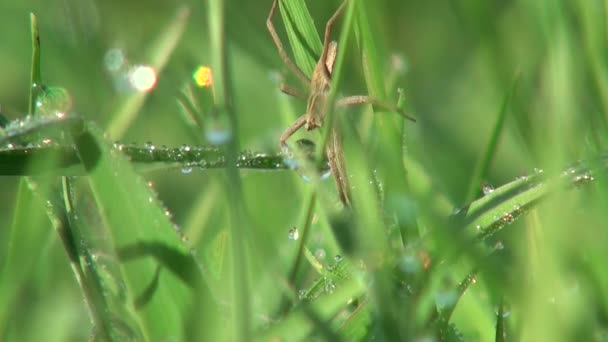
[143,77]
[203,76]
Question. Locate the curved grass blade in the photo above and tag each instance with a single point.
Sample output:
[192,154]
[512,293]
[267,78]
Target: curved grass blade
[145,241]
[303,36]
[482,165]
[100,283]
[298,325]
[505,204]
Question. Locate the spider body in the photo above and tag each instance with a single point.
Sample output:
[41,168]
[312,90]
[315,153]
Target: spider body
[316,98]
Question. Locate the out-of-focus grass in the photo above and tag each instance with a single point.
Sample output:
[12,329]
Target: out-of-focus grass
[455,61]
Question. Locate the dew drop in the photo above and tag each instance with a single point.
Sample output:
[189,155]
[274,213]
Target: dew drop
[487,189]
[499,246]
[187,169]
[294,234]
[329,285]
[302,294]
[325,174]
[320,254]
[53,100]
[445,298]
[338,258]
[218,131]
[185,148]
[410,263]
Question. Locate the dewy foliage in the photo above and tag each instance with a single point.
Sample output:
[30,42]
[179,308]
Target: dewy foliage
[407,269]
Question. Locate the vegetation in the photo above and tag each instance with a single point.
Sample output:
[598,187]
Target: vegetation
[484,220]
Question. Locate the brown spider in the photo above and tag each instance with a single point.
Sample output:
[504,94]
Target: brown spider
[318,87]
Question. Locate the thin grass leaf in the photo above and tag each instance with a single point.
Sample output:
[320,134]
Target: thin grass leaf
[505,204]
[483,164]
[298,326]
[36,79]
[303,36]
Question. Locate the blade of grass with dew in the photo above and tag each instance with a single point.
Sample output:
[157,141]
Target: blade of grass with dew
[298,326]
[505,204]
[158,57]
[390,169]
[99,282]
[483,164]
[28,234]
[303,37]
[388,147]
[151,251]
[35,81]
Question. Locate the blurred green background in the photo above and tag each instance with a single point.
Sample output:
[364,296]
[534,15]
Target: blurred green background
[455,59]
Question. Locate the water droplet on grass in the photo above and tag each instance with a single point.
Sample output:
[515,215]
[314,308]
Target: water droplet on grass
[187,169]
[446,298]
[329,286]
[320,254]
[53,100]
[294,234]
[218,131]
[487,189]
[410,263]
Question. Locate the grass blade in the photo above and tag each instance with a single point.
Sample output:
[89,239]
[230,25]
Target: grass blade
[483,164]
[146,243]
[303,37]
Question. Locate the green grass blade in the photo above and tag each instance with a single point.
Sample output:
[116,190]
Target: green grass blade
[303,37]
[150,250]
[36,79]
[298,325]
[504,205]
[483,164]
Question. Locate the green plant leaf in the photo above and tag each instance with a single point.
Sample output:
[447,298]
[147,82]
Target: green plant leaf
[303,37]
[161,274]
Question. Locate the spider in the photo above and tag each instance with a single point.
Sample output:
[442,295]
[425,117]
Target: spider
[318,88]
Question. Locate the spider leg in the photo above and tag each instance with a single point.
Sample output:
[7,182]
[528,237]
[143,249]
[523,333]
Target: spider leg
[327,39]
[292,129]
[362,99]
[336,163]
[277,41]
[289,90]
